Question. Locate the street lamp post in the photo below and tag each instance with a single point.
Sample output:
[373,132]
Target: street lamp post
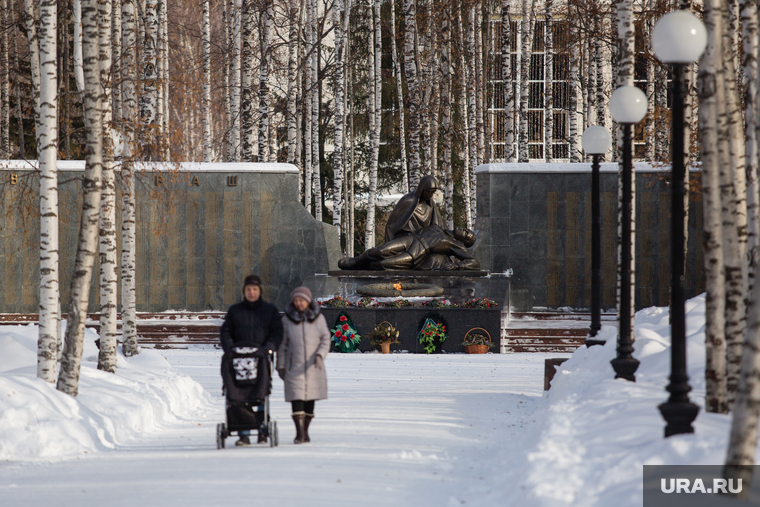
[628,106]
[678,38]
[596,142]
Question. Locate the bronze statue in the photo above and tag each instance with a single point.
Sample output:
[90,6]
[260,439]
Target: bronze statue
[416,238]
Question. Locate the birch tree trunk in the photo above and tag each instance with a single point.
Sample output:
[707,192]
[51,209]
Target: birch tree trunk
[506,77]
[206,83]
[267,13]
[400,98]
[315,41]
[448,133]
[625,60]
[116,60]
[149,96]
[746,410]
[235,80]
[68,380]
[247,125]
[339,116]
[47,148]
[160,79]
[480,89]
[465,117]
[649,141]
[410,70]
[78,72]
[526,36]
[373,63]
[107,233]
[5,88]
[227,91]
[129,120]
[600,61]
[293,28]
[548,82]
[308,100]
[575,50]
[164,19]
[733,193]
[472,135]
[17,87]
[31,16]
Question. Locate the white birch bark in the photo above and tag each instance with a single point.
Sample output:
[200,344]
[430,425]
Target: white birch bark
[424,60]
[206,83]
[307,106]
[31,16]
[448,133]
[160,75]
[149,95]
[464,115]
[315,41]
[548,82]
[267,12]
[164,13]
[572,124]
[68,379]
[5,88]
[47,149]
[338,11]
[78,72]
[293,19]
[235,80]
[226,21]
[410,70]
[649,141]
[526,36]
[116,60]
[508,82]
[107,233]
[600,101]
[373,62]
[746,409]
[400,98]
[480,89]
[733,193]
[247,124]
[472,108]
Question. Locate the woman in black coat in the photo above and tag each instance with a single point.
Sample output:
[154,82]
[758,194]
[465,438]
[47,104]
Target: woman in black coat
[251,323]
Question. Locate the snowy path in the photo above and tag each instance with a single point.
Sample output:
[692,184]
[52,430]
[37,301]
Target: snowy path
[405,430]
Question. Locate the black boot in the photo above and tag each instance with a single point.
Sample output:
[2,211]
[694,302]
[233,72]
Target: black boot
[306,422]
[299,420]
[262,435]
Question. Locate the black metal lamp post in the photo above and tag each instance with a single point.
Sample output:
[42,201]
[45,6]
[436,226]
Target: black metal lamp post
[596,142]
[628,106]
[678,38]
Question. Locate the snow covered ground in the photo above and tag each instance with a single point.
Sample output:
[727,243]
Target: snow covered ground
[398,429]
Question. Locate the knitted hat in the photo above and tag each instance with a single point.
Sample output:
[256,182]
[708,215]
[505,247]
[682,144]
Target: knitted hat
[252,280]
[301,292]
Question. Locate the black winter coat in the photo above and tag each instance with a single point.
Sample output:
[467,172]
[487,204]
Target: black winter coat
[256,323]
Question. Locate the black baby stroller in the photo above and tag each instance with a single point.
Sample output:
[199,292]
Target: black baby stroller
[247,384]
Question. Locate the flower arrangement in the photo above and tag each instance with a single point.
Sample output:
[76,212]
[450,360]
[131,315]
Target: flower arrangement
[476,339]
[397,303]
[432,334]
[481,303]
[345,337]
[336,302]
[366,302]
[439,303]
[383,333]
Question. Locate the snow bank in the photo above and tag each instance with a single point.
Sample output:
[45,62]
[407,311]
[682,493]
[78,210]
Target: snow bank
[37,421]
[596,433]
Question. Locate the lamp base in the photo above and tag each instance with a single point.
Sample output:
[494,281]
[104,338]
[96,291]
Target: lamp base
[679,415]
[625,367]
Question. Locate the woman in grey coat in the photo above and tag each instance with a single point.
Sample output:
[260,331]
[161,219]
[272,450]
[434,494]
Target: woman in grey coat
[300,358]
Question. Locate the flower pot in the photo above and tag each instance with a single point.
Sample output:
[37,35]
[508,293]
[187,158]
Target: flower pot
[385,347]
[476,349]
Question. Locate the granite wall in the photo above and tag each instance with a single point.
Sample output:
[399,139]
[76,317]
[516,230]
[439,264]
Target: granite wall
[536,220]
[201,228]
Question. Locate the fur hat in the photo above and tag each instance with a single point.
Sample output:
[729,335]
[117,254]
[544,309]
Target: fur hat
[301,292]
[252,280]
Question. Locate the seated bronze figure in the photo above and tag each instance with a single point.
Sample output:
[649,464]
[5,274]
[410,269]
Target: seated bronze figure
[416,238]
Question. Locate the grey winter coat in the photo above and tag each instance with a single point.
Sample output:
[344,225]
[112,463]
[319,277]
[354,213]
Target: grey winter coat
[300,358]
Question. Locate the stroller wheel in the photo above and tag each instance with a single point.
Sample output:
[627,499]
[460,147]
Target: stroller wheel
[221,434]
[272,430]
[276,435]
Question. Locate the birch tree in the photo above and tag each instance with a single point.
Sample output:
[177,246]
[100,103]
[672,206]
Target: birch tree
[733,197]
[149,77]
[374,122]
[746,410]
[400,99]
[107,235]
[526,40]
[464,114]
[293,43]
[548,81]
[206,83]
[307,106]
[129,120]
[17,87]
[31,17]
[267,13]
[47,149]
[710,80]
[316,171]
[340,76]
[247,97]
[472,107]
[5,88]
[235,81]
[410,70]
[506,76]
[448,134]
[68,379]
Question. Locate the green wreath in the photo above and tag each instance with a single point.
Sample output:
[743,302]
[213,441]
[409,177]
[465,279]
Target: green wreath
[345,337]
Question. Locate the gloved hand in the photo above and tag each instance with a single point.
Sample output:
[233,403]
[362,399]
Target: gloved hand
[281,373]
[320,363]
